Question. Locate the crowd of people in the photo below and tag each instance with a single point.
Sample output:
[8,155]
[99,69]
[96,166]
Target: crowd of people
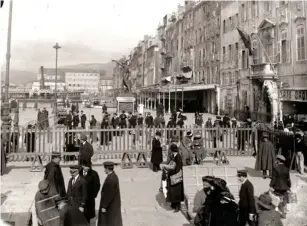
[214,205]
[57,206]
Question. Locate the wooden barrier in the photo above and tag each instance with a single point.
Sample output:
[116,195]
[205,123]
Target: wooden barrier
[37,145]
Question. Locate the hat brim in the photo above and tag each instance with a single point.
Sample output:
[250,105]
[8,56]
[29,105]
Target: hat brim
[266,206]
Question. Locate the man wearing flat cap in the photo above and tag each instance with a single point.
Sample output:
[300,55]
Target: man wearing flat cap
[92,189]
[175,190]
[247,208]
[44,203]
[54,175]
[86,150]
[109,212]
[77,189]
[265,158]
[281,183]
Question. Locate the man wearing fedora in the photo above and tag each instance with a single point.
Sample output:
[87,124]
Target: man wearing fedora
[54,175]
[281,183]
[267,214]
[247,208]
[92,189]
[86,150]
[77,189]
[109,213]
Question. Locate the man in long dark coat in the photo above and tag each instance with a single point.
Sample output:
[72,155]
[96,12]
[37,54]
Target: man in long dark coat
[77,189]
[156,152]
[93,186]
[174,170]
[110,202]
[83,119]
[247,207]
[266,157]
[86,150]
[54,175]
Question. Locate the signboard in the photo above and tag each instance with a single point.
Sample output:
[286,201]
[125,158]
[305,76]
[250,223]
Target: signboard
[125,106]
[294,95]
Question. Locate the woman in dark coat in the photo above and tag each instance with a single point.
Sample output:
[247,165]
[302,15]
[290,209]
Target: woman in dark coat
[93,186]
[175,191]
[156,152]
[266,156]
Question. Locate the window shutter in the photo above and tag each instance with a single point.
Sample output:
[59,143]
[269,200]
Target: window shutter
[277,52]
[288,50]
[240,59]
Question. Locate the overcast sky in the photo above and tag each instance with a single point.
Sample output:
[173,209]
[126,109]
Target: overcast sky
[111,25]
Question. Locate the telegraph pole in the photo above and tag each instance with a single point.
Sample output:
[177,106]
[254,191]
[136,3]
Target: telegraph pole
[56,47]
[6,122]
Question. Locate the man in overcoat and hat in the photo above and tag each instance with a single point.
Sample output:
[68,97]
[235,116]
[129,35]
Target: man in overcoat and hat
[156,152]
[92,189]
[86,150]
[267,214]
[265,158]
[281,183]
[54,175]
[109,212]
[247,208]
[174,170]
[77,189]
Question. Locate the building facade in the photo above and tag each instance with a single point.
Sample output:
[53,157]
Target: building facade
[78,80]
[105,85]
[227,57]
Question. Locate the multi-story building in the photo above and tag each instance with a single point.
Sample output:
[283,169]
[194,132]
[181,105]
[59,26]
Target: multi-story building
[82,80]
[105,85]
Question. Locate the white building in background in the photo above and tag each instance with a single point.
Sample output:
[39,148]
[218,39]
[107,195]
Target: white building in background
[82,80]
[50,85]
[106,84]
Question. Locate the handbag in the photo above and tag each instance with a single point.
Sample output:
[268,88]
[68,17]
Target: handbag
[176,178]
[291,197]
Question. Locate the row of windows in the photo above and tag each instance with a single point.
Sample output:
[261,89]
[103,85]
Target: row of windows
[230,78]
[230,52]
[82,85]
[208,76]
[81,74]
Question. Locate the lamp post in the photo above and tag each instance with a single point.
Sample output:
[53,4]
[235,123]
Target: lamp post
[56,47]
[6,122]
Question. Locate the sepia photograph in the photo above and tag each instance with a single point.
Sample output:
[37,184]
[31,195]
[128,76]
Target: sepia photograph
[153,113]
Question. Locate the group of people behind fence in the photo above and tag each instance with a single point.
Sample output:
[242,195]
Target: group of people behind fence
[42,119]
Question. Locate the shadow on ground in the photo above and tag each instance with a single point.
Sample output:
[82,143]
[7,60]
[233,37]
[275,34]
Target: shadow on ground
[161,201]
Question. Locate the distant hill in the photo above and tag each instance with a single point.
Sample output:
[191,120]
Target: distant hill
[20,77]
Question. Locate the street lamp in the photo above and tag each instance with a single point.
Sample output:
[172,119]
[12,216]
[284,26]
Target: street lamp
[56,47]
[6,105]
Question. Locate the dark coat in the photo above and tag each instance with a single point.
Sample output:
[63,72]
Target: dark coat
[156,152]
[149,121]
[86,152]
[105,136]
[45,209]
[280,178]
[77,193]
[175,192]
[72,216]
[246,201]
[54,175]
[76,120]
[83,118]
[30,141]
[269,217]
[93,186]
[110,200]
[266,156]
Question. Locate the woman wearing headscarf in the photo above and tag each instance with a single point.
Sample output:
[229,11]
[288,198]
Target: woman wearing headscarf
[174,170]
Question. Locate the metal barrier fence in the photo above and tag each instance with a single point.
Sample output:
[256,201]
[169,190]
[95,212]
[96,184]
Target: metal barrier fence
[236,141]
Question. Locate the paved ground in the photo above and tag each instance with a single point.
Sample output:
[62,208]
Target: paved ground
[141,202]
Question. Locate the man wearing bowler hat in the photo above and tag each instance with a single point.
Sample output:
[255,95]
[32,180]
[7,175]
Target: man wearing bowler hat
[92,188]
[77,189]
[109,212]
[54,175]
[86,150]
[247,208]
[280,183]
